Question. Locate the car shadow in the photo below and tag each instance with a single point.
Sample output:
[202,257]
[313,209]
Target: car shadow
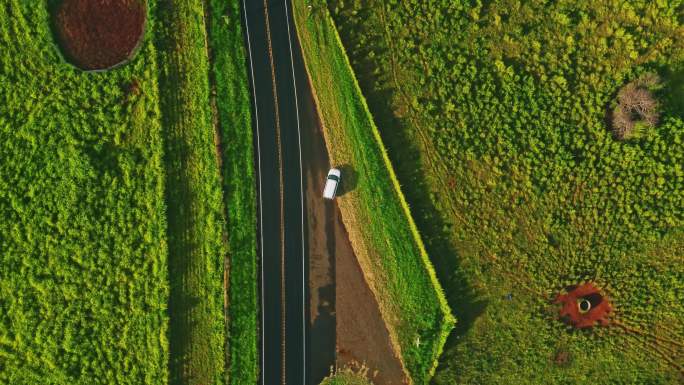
[348,181]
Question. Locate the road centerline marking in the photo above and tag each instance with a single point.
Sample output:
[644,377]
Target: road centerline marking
[281,190]
[301,191]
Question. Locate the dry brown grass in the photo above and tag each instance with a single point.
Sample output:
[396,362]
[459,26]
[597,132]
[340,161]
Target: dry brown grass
[636,106]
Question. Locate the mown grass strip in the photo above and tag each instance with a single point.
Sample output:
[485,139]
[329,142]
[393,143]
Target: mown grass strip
[239,188]
[194,206]
[382,231]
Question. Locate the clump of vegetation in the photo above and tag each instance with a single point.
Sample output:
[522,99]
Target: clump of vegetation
[636,109]
[562,358]
[495,117]
[348,376]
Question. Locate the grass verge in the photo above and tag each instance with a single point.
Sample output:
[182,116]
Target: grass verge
[381,229]
[194,206]
[239,189]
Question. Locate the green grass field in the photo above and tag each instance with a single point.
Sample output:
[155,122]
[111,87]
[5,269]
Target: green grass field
[83,268]
[375,214]
[522,189]
[194,205]
[239,189]
[117,220]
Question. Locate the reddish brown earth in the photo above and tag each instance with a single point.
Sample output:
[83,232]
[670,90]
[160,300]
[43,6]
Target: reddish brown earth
[362,336]
[99,34]
[573,314]
[346,325]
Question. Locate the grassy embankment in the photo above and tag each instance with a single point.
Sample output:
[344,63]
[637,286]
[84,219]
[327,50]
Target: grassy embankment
[195,215]
[234,120]
[500,110]
[381,229]
[83,274]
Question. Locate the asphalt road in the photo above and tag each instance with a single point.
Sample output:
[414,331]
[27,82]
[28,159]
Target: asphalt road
[271,46]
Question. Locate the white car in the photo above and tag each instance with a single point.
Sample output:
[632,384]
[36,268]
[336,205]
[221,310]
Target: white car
[331,183]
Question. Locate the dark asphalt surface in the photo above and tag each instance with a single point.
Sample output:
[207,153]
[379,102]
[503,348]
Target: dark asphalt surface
[281,206]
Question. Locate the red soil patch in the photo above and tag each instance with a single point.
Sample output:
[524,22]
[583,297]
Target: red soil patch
[99,34]
[584,306]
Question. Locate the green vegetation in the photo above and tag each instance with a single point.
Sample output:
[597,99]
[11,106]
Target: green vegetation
[522,188]
[93,166]
[234,118]
[347,377]
[375,213]
[194,207]
[83,275]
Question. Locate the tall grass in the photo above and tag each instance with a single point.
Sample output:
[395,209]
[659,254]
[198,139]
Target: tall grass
[239,189]
[194,203]
[83,271]
[381,229]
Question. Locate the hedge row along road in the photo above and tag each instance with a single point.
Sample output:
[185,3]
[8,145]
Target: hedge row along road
[196,223]
[381,229]
[230,86]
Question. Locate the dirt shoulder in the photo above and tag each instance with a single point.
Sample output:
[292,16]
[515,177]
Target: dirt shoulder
[362,336]
[346,327]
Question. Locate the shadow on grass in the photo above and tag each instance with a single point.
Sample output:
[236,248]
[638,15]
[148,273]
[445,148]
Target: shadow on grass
[180,339]
[465,302]
[674,90]
[349,179]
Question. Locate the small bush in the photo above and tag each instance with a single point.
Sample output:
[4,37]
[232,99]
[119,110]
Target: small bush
[636,109]
[348,376]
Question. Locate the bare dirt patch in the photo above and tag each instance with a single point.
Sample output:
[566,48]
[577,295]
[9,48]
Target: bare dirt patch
[362,336]
[584,306]
[99,34]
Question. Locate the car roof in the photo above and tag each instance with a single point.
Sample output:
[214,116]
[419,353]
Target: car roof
[330,188]
[335,171]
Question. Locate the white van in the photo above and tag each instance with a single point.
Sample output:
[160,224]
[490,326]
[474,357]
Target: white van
[331,183]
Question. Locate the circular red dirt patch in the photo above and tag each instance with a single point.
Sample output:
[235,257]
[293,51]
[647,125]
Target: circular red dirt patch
[584,306]
[99,34]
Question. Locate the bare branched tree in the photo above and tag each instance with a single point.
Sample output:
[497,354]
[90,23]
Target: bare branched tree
[636,106]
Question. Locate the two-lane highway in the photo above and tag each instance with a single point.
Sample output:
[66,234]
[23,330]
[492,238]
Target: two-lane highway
[269,38]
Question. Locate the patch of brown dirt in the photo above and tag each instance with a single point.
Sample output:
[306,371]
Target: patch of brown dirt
[584,306]
[362,336]
[99,34]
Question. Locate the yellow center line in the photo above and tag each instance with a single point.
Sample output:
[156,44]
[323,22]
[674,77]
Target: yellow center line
[282,206]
